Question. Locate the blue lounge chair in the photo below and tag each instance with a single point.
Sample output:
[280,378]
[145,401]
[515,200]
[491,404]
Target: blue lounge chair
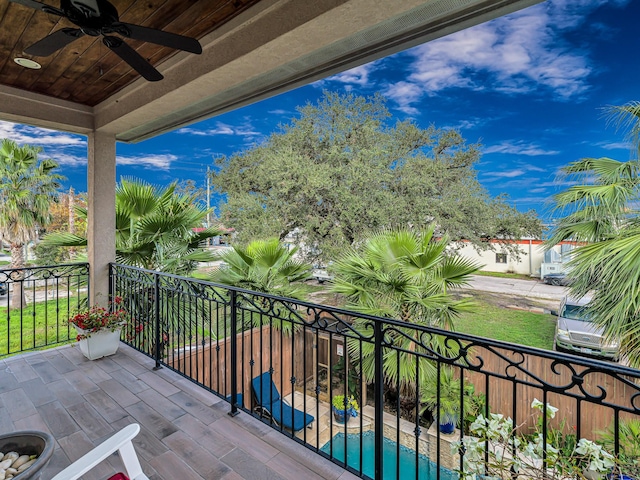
[239,400]
[269,402]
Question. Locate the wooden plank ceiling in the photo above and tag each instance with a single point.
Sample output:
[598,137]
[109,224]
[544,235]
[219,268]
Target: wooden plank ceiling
[86,71]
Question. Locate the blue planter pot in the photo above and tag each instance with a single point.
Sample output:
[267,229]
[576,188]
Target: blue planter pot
[617,476]
[448,427]
[341,416]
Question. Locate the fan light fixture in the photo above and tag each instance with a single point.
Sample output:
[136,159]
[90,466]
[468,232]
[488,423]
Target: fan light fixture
[100,18]
[27,63]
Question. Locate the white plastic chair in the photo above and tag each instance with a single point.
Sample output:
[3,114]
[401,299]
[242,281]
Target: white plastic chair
[121,441]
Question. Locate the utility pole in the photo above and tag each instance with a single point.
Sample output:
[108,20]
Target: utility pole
[72,219]
[208,200]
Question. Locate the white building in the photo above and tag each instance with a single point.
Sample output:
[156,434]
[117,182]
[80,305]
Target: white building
[533,259]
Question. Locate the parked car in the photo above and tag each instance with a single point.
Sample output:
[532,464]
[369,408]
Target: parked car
[321,276]
[576,333]
[3,288]
[556,279]
[320,273]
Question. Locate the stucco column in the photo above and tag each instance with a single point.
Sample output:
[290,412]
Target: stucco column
[101,221]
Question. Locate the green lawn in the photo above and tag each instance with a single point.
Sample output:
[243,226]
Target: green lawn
[488,320]
[33,327]
[519,276]
[515,326]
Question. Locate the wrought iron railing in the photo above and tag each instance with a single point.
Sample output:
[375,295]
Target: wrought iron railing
[225,339]
[35,304]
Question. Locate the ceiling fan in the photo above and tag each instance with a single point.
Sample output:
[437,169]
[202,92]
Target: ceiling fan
[99,17]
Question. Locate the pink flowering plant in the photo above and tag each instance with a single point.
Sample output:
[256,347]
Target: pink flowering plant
[97,319]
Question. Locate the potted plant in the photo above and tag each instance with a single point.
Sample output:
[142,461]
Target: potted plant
[628,448]
[344,408]
[444,402]
[530,455]
[99,329]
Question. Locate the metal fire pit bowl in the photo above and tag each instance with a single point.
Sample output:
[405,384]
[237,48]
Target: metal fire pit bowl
[29,443]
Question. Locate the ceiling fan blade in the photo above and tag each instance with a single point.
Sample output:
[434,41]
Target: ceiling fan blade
[133,58]
[159,37]
[89,7]
[39,6]
[54,42]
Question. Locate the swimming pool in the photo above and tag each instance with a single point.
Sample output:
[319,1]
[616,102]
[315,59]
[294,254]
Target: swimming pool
[426,467]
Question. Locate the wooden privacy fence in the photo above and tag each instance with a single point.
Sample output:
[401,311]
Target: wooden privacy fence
[258,350]
[586,398]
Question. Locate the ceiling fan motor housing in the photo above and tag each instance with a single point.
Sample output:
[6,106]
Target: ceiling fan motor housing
[91,22]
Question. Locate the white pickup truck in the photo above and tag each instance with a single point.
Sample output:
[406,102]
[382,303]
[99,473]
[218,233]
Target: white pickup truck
[321,275]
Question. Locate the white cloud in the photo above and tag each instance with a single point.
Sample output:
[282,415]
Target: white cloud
[404,94]
[519,53]
[470,123]
[519,148]
[358,75]
[280,111]
[66,149]
[526,183]
[38,136]
[524,174]
[160,161]
[531,200]
[244,130]
[221,129]
[68,159]
[506,174]
[615,145]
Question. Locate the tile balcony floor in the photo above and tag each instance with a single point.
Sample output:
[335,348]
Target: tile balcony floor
[186,432]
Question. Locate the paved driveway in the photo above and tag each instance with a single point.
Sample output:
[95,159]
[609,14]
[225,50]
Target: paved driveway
[527,288]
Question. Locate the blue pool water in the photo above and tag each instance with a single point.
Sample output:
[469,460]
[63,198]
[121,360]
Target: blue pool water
[426,468]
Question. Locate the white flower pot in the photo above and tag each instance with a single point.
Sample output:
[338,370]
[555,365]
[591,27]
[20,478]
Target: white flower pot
[99,344]
[592,474]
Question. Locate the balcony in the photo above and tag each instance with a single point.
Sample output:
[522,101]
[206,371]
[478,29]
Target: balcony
[186,431]
[185,326]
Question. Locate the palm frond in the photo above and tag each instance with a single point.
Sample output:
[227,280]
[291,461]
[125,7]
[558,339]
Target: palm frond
[63,239]
[402,274]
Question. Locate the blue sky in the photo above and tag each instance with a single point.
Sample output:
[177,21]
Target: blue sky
[530,87]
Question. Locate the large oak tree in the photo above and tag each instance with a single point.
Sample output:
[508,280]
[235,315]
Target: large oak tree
[341,170]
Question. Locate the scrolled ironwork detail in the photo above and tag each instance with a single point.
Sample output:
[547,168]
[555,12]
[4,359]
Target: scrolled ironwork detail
[54,272]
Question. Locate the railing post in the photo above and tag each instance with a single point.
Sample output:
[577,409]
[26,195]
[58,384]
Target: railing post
[111,289]
[234,355]
[379,401]
[158,333]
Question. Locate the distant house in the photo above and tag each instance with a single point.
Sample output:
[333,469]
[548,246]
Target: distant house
[533,259]
[224,239]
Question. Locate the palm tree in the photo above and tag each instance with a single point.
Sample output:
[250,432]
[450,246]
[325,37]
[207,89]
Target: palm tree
[602,211]
[402,274]
[265,266]
[627,116]
[600,203]
[155,229]
[27,189]
[443,397]
[161,230]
